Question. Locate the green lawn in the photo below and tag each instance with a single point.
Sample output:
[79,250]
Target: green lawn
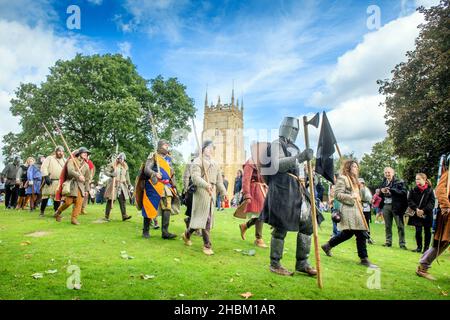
[182,272]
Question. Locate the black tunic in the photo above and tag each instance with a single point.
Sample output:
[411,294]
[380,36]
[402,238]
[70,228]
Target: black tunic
[282,206]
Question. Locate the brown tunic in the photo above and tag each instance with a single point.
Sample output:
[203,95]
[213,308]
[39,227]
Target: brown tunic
[443,221]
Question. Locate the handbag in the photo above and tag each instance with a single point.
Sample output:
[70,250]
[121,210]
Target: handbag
[336,215]
[410,212]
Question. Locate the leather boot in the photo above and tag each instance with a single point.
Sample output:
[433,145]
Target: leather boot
[327,249]
[423,272]
[367,263]
[57,216]
[146,229]
[165,226]
[126,217]
[74,220]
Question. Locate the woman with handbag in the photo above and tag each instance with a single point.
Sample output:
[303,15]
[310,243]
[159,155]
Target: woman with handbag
[352,221]
[254,190]
[442,234]
[420,210]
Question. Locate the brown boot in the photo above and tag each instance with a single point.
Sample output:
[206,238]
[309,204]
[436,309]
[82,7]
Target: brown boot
[243,228]
[260,243]
[74,219]
[310,271]
[126,217]
[282,271]
[186,240]
[57,216]
[423,272]
[208,251]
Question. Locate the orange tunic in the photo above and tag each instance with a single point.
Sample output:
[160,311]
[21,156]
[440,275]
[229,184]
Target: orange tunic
[443,222]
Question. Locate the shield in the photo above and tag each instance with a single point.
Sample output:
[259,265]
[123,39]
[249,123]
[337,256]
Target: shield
[139,188]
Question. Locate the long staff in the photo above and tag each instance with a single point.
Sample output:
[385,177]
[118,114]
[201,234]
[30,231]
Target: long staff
[313,206]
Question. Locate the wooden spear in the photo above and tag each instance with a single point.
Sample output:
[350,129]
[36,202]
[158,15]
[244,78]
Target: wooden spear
[313,206]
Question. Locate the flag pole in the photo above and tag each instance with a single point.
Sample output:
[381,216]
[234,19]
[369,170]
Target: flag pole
[313,207]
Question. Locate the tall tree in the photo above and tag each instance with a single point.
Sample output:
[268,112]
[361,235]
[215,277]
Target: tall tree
[418,96]
[98,101]
[372,165]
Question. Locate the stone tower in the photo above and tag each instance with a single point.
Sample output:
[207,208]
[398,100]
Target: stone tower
[224,124]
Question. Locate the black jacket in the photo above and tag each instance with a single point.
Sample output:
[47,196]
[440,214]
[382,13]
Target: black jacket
[427,206]
[237,185]
[399,196]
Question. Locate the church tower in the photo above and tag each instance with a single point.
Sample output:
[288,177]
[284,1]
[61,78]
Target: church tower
[224,124]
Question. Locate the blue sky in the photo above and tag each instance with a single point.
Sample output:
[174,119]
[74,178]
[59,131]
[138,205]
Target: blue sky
[285,57]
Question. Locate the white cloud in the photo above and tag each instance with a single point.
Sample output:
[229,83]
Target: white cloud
[358,70]
[26,54]
[125,48]
[351,90]
[154,17]
[96,2]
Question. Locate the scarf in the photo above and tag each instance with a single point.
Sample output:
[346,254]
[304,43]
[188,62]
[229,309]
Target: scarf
[422,188]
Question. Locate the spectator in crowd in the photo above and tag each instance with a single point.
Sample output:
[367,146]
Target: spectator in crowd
[442,235]
[320,191]
[2,190]
[33,183]
[421,202]
[334,205]
[9,176]
[393,203]
[376,199]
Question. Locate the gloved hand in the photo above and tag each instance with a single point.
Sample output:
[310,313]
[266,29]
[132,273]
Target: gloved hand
[306,155]
[48,181]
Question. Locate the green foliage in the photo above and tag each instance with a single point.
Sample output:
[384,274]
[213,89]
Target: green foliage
[372,165]
[98,101]
[418,96]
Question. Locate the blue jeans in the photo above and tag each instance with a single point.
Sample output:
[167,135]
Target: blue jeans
[335,229]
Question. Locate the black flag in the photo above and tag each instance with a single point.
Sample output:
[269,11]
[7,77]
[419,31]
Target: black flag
[325,150]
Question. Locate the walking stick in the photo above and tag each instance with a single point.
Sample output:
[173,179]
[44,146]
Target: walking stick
[313,205]
[67,147]
[200,151]
[114,178]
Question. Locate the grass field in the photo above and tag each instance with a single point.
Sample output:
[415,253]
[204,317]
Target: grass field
[180,272]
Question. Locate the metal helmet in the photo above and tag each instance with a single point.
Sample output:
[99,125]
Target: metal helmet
[160,149]
[289,128]
[17,160]
[82,150]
